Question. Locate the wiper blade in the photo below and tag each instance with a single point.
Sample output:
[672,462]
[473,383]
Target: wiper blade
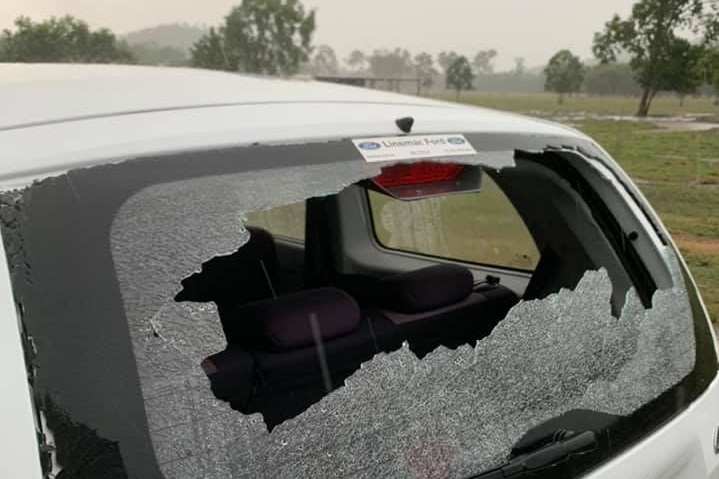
[546,456]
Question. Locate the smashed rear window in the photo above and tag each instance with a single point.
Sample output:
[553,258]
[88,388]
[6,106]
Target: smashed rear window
[211,347]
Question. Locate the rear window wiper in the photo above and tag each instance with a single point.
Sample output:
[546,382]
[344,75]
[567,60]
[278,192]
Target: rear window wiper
[546,456]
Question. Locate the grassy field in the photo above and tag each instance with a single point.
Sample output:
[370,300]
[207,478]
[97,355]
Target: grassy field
[456,227]
[546,105]
[679,174]
[678,171]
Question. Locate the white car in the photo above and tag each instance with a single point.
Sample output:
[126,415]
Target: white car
[217,276]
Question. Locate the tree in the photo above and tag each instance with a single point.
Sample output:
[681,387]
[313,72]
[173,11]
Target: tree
[357,61]
[508,82]
[424,66]
[460,75]
[446,59]
[177,35]
[324,62]
[270,37]
[611,79]
[520,66]
[565,74]
[682,74]
[649,36]
[390,64]
[61,40]
[710,69]
[209,52]
[151,53]
[483,62]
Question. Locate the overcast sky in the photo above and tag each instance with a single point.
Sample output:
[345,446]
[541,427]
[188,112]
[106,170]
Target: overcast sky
[533,29]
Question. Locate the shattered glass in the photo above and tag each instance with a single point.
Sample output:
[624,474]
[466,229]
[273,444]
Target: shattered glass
[451,414]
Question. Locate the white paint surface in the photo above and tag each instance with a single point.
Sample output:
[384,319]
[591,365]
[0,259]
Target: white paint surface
[19,458]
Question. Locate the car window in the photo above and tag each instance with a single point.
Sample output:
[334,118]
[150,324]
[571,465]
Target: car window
[480,227]
[284,221]
[226,370]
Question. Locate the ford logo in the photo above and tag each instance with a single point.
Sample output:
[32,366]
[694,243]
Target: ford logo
[456,141]
[369,145]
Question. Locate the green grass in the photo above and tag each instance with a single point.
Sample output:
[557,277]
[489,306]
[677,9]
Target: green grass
[705,269]
[650,153]
[456,227]
[686,210]
[690,213]
[546,105]
[679,174]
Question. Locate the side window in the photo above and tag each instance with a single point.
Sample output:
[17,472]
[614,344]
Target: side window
[284,221]
[478,227]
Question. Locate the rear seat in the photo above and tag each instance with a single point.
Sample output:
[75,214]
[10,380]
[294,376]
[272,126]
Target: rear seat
[272,364]
[275,339]
[440,305]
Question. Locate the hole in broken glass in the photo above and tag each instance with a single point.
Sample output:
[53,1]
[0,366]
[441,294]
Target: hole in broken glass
[289,348]
[467,405]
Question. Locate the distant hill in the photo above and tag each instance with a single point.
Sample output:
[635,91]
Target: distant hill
[177,35]
[164,44]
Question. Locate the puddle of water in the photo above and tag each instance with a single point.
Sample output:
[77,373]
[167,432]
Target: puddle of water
[666,124]
[685,125]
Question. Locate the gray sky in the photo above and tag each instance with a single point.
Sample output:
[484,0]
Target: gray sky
[534,29]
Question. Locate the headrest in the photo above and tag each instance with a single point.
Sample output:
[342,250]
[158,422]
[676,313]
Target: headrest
[425,289]
[284,323]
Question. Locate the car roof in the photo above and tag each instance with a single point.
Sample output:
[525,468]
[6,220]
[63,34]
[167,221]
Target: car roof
[59,116]
[42,93]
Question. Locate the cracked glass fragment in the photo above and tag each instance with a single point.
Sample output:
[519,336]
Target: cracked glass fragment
[451,414]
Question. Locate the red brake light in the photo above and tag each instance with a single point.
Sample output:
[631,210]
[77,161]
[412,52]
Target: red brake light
[417,174]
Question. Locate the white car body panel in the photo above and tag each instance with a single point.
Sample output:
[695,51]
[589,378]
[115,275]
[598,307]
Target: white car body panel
[59,117]
[84,143]
[33,94]
[79,111]
[682,449]
[19,458]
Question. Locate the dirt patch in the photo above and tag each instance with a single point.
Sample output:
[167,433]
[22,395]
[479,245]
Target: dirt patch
[698,244]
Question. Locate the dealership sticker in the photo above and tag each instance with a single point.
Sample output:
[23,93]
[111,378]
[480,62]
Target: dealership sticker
[413,147]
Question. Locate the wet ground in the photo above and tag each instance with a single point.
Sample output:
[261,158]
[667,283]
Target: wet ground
[694,122]
[685,125]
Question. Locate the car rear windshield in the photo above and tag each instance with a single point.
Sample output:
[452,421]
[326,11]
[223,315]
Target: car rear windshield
[203,315]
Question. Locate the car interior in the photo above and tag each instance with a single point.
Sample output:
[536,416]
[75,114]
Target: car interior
[303,310]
